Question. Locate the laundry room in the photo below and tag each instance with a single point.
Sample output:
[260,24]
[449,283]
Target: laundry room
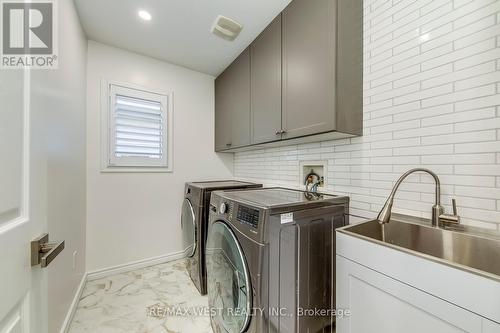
[237,166]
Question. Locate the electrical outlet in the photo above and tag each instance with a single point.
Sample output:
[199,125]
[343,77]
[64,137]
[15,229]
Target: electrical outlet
[74,259]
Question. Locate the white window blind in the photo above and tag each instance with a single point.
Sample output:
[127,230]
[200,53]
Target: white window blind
[138,128]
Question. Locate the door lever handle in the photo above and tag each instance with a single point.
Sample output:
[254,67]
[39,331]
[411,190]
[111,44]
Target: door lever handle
[43,252]
[450,218]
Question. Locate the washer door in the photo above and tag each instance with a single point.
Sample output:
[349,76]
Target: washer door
[189,229]
[228,281]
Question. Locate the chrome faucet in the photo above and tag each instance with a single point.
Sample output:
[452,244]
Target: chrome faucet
[438,216]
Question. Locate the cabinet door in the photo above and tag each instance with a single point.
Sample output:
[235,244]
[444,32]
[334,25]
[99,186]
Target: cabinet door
[309,41]
[223,120]
[232,104]
[239,72]
[266,84]
[380,304]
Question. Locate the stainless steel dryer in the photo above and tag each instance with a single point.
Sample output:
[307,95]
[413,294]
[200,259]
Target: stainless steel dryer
[270,259]
[194,220]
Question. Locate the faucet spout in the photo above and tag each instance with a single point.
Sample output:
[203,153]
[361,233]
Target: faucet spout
[385,214]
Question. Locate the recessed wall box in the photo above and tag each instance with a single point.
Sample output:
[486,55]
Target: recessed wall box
[317,170]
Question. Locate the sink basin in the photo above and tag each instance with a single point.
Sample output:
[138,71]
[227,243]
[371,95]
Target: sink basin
[472,252]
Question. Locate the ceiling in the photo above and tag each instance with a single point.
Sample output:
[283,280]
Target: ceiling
[179,31]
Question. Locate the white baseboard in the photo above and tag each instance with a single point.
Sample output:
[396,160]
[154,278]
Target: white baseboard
[74,304]
[131,266]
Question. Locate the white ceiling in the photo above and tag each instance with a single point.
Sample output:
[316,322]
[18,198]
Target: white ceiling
[179,31]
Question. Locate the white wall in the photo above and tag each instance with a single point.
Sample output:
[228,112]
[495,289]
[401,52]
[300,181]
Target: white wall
[133,216]
[431,98]
[58,175]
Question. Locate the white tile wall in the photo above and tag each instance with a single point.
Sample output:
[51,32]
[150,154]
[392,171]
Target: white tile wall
[431,99]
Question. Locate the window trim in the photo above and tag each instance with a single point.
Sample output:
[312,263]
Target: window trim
[108,88]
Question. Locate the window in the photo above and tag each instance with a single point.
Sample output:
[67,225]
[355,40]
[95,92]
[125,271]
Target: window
[139,130]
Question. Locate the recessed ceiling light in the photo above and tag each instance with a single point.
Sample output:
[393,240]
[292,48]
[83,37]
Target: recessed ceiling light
[425,38]
[144,15]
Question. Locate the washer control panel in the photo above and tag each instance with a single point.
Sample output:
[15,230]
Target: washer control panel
[248,216]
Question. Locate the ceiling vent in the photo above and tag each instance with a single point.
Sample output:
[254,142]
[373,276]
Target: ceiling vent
[226,28]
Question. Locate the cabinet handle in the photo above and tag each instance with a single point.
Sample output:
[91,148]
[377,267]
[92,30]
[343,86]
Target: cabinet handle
[283,132]
[229,144]
[277,132]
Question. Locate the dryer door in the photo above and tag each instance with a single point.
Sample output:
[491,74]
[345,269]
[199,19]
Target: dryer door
[228,280]
[189,229]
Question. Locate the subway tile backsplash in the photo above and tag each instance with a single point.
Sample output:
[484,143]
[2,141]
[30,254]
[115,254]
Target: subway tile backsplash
[431,99]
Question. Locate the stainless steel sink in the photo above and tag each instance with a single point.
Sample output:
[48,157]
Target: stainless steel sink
[471,249]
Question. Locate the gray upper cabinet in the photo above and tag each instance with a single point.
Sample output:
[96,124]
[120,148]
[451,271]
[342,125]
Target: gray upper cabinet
[223,120]
[232,104]
[309,39]
[265,58]
[300,80]
[349,67]
[240,100]
[322,67]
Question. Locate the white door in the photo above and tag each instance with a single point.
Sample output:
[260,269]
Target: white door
[22,292]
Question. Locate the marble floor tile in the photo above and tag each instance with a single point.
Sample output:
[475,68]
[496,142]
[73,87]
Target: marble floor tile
[156,299]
